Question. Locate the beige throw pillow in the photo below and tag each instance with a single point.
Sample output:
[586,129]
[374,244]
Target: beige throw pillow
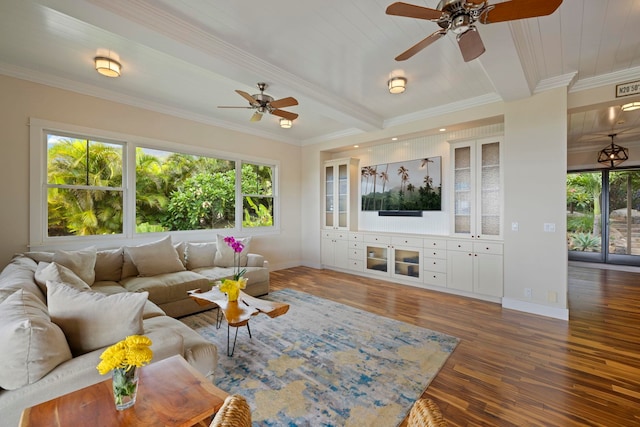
[200,255]
[109,264]
[225,255]
[31,344]
[155,258]
[81,262]
[55,272]
[91,320]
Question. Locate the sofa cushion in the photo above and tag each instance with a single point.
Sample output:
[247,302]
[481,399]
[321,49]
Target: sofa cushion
[54,272]
[168,287]
[19,275]
[91,320]
[225,255]
[32,345]
[109,264]
[81,262]
[200,255]
[155,258]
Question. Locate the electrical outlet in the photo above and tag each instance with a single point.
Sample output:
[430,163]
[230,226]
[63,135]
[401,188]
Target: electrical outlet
[527,292]
[515,226]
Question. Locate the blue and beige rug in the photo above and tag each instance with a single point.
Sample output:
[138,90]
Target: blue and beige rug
[326,364]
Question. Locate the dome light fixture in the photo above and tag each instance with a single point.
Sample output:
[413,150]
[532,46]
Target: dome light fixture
[286,123]
[397,84]
[631,106]
[107,66]
[612,155]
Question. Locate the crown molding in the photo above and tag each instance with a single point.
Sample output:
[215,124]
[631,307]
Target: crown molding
[565,80]
[606,79]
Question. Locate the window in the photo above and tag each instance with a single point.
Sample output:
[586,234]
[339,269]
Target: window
[82,185]
[257,195]
[176,191]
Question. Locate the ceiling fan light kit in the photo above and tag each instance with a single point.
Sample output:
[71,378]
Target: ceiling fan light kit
[286,123]
[613,155]
[631,106]
[107,66]
[459,17]
[264,103]
[397,84]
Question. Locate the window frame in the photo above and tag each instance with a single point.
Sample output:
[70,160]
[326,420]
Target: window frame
[38,220]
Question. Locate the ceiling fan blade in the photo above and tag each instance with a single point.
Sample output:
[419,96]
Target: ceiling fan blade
[284,102]
[519,9]
[420,45]
[413,11]
[256,117]
[470,44]
[246,96]
[285,114]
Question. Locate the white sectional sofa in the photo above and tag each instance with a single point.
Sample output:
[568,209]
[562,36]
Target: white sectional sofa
[59,310]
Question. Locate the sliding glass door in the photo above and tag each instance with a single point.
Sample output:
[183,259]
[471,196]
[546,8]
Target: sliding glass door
[603,216]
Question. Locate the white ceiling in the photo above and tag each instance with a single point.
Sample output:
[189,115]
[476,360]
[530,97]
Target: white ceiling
[186,57]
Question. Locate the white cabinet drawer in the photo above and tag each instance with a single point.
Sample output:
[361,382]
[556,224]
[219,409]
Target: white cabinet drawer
[335,235]
[435,253]
[372,238]
[435,278]
[487,248]
[435,264]
[435,244]
[406,241]
[459,245]
[356,245]
[355,237]
[356,253]
[356,264]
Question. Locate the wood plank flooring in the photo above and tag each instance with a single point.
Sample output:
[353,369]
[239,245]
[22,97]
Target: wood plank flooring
[513,368]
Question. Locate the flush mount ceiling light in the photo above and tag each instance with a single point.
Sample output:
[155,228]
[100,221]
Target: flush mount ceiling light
[286,123]
[613,154]
[631,106]
[397,84]
[107,66]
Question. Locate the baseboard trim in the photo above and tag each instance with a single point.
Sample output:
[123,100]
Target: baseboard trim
[542,310]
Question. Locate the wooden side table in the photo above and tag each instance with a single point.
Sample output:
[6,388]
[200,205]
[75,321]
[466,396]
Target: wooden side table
[170,393]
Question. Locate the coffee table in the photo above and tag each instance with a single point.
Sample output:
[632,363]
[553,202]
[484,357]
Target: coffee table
[170,393]
[238,313]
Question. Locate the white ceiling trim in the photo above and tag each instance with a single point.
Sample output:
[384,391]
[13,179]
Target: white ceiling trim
[616,77]
[332,136]
[565,80]
[89,90]
[443,109]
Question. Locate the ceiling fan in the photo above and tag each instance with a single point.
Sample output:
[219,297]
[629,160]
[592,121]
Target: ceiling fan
[266,104]
[459,16]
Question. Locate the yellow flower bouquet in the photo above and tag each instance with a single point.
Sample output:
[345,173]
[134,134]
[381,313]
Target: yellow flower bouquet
[122,360]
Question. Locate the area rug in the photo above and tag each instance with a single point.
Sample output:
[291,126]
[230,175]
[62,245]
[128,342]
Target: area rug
[326,364]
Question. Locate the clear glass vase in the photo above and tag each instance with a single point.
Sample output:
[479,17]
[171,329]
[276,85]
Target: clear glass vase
[125,387]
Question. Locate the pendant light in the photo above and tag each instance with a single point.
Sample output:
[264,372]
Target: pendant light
[613,155]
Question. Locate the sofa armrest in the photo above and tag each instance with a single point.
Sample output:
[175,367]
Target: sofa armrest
[255,260]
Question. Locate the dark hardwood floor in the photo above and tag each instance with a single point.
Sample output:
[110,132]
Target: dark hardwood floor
[513,368]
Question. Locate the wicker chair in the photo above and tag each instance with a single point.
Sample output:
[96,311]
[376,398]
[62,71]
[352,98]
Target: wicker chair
[235,412]
[425,413]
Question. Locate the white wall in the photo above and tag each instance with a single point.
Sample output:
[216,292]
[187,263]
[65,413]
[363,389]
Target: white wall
[21,100]
[535,158]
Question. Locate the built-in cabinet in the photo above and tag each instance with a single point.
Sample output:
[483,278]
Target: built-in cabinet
[475,267]
[340,194]
[335,249]
[477,189]
[393,256]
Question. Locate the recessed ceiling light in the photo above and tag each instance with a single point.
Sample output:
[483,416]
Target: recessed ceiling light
[442,129]
[394,138]
[356,146]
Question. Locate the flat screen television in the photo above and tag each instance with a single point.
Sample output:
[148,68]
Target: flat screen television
[403,188]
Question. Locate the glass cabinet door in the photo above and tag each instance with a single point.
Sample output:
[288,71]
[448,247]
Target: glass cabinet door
[407,262]
[343,195]
[490,193]
[328,191]
[463,195]
[377,258]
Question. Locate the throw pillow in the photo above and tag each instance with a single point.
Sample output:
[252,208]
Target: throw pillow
[200,255]
[155,258]
[55,272]
[109,264]
[91,320]
[225,256]
[81,262]
[31,344]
